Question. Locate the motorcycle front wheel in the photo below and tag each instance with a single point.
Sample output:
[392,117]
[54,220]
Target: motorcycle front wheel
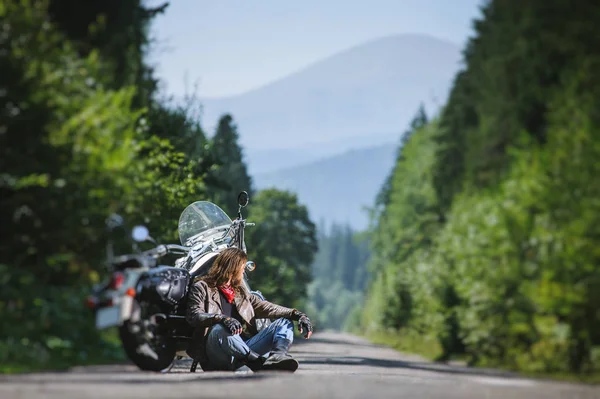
[144,343]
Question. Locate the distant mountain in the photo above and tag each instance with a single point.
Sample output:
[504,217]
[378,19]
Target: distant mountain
[264,161]
[363,96]
[337,188]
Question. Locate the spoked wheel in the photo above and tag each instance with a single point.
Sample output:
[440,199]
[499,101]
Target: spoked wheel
[145,344]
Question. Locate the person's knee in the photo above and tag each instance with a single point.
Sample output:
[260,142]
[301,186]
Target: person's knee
[219,330]
[284,328]
[222,337]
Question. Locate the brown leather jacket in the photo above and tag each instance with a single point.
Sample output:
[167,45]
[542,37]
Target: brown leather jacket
[204,309]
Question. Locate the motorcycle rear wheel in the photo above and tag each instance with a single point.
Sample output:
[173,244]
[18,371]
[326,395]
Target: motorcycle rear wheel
[159,353]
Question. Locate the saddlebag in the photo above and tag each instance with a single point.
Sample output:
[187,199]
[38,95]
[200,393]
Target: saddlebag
[165,283]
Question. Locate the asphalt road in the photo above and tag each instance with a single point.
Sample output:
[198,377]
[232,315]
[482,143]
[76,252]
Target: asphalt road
[332,365]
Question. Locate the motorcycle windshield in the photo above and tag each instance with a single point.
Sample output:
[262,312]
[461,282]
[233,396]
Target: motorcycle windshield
[200,217]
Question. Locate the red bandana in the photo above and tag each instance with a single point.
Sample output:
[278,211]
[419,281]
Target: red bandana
[228,291]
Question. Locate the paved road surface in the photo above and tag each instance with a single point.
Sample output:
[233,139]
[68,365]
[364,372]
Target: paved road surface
[332,365]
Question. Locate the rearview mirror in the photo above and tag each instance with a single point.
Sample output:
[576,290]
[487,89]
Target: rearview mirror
[140,233]
[250,266]
[243,198]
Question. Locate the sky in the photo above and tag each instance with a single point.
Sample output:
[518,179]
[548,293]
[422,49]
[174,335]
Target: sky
[220,48]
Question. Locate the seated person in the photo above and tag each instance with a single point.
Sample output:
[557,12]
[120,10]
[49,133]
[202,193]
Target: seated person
[223,315]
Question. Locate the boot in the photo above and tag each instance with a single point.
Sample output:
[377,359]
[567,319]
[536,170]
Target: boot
[255,361]
[252,362]
[279,359]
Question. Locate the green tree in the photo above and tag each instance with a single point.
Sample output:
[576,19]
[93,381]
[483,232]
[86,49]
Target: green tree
[73,149]
[339,273]
[283,245]
[77,137]
[419,121]
[487,240]
[118,30]
[232,173]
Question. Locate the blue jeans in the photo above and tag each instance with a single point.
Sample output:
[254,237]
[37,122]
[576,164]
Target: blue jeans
[222,348]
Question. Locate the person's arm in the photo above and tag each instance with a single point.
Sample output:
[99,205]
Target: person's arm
[267,310]
[196,314]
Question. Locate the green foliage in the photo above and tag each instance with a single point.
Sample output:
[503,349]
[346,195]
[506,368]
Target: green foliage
[72,151]
[407,342]
[339,277]
[514,63]
[118,30]
[77,140]
[176,124]
[404,284]
[419,120]
[488,242]
[232,173]
[283,244]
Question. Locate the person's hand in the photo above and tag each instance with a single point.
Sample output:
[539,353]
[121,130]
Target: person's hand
[304,324]
[234,326]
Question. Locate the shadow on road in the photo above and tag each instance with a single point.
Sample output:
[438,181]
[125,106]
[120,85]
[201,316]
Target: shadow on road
[137,378]
[435,367]
[315,358]
[301,341]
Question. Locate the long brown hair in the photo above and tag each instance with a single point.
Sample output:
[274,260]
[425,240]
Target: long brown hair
[226,267]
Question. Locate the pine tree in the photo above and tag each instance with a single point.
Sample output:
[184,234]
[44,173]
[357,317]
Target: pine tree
[232,173]
[419,120]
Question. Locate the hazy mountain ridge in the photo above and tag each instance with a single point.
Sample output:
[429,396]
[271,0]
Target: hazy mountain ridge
[265,161]
[333,127]
[370,89]
[355,176]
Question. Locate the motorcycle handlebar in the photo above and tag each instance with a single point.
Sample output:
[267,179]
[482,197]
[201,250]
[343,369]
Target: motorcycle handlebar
[180,248]
[162,250]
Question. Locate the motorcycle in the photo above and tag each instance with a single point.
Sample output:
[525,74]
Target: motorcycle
[146,300]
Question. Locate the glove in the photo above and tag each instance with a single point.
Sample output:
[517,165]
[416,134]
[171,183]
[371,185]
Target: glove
[234,326]
[304,323]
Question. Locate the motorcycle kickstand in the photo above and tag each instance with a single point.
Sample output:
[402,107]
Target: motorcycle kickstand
[168,369]
[194,365]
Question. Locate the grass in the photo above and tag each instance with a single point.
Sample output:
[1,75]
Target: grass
[430,349]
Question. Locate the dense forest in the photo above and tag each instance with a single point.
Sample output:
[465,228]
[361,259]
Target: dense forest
[487,233]
[86,132]
[339,277]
